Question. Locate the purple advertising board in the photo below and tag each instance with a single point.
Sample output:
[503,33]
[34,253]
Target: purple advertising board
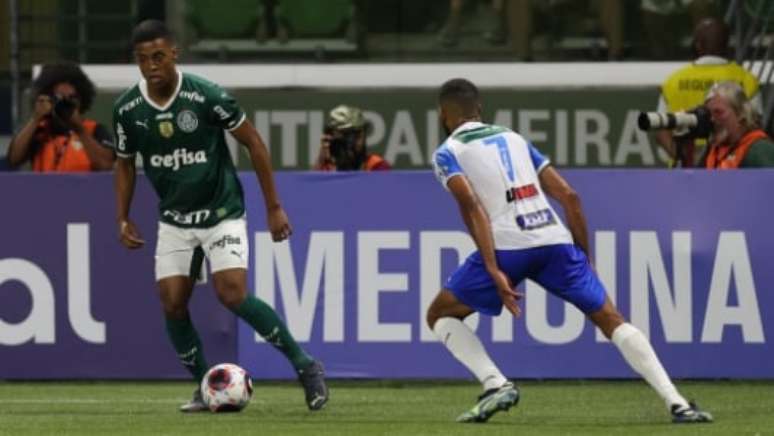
[73,302]
[685,255]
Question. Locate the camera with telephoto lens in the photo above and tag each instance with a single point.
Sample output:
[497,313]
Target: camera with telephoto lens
[344,142]
[342,146]
[63,106]
[694,123]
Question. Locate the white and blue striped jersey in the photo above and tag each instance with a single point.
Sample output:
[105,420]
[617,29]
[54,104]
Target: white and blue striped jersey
[502,168]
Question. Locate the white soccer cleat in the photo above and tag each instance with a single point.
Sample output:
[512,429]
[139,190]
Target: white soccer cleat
[491,402]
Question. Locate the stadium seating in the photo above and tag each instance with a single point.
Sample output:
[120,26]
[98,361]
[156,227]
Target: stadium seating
[210,20]
[246,28]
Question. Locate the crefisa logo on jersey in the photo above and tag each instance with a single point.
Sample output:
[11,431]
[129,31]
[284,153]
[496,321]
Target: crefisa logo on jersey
[187,121]
[179,158]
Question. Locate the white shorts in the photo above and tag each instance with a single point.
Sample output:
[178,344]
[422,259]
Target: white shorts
[225,246]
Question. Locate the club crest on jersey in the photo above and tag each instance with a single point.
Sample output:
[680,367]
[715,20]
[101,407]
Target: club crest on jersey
[187,121]
[166,129]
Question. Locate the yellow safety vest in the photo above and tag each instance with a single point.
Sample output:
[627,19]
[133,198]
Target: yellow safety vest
[687,87]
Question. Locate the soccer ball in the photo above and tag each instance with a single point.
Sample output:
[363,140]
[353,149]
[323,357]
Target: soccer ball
[226,388]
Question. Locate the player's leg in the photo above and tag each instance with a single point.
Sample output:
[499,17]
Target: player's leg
[175,293]
[231,288]
[444,317]
[636,350]
[174,259]
[227,250]
[640,355]
[569,275]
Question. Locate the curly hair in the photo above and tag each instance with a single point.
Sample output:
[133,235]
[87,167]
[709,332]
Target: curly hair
[65,72]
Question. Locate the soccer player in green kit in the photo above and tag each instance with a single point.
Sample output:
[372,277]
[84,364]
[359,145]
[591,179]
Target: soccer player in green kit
[176,121]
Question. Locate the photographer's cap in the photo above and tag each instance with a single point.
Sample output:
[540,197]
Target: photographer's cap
[345,117]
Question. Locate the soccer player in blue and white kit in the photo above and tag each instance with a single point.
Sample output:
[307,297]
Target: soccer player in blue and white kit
[500,182]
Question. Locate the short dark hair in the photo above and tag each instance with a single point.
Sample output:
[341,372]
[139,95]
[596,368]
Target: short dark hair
[461,92]
[150,30]
[712,35]
[65,72]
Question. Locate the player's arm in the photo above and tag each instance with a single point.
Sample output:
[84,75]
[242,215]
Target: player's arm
[557,188]
[124,178]
[278,223]
[477,222]
[124,181]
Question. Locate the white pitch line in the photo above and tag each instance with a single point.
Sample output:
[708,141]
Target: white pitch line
[88,401]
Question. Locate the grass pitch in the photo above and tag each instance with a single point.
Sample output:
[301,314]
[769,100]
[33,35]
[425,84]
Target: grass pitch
[372,408]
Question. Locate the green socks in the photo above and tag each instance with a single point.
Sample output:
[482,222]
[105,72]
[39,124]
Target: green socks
[188,346]
[255,312]
[267,323]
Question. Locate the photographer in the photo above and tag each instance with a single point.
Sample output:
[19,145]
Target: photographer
[737,141]
[57,138]
[343,144]
[685,88]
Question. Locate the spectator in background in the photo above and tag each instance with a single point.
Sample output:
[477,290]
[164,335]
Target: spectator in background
[343,144]
[685,88]
[567,17]
[737,140]
[57,138]
[663,22]
[450,33]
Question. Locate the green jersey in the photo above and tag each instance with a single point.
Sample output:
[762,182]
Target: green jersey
[183,149]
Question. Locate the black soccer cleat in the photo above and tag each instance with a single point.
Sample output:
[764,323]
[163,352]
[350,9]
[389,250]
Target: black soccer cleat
[689,415]
[196,404]
[312,378]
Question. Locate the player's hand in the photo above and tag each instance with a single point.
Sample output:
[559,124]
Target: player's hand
[279,226]
[507,293]
[129,236]
[43,107]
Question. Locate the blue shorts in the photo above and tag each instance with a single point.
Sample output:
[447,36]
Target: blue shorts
[562,270]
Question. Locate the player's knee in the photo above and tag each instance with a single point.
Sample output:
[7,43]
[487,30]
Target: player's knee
[231,296]
[431,317]
[434,313]
[231,299]
[613,319]
[609,322]
[174,310]
[445,305]
[231,289]
[174,306]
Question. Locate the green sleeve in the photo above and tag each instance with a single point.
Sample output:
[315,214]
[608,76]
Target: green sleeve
[125,146]
[224,110]
[760,155]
